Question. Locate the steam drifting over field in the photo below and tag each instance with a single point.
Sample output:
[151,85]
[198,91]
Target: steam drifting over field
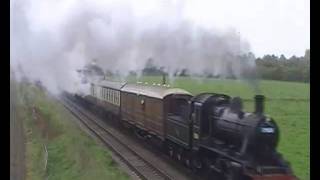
[50,40]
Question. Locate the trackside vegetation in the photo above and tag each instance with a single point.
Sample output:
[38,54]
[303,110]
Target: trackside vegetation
[56,147]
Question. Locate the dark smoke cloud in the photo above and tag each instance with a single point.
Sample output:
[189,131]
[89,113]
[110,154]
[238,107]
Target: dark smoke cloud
[50,40]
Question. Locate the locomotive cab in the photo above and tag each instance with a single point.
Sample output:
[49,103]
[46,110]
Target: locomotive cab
[202,124]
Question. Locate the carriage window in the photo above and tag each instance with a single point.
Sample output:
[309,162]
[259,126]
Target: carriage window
[97,91]
[112,97]
[108,95]
[105,94]
[117,98]
[102,93]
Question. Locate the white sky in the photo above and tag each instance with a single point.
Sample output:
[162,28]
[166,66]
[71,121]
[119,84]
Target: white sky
[271,26]
[56,37]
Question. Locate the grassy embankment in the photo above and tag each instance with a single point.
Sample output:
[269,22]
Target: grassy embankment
[72,154]
[287,102]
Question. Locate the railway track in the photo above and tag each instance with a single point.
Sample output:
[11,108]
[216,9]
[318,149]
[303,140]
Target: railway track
[132,157]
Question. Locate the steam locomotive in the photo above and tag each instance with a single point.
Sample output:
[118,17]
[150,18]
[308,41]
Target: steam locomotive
[206,132]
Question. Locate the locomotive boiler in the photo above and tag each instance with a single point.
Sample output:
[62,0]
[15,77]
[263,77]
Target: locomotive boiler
[242,131]
[230,140]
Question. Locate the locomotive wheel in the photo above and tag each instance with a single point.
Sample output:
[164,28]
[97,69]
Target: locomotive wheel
[187,159]
[187,162]
[196,165]
[171,152]
[179,154]
[233,173]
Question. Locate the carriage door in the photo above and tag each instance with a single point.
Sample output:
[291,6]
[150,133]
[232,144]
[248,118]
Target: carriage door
[196,117]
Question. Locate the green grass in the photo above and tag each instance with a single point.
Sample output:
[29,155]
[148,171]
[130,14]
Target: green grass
[286,102]
[271,89]
[72,154]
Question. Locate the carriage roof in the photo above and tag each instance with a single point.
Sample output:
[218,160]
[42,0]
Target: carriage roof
[110,84]
[156,91]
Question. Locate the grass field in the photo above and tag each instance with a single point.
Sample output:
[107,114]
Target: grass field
[56,147]
[72,155]
[286,102]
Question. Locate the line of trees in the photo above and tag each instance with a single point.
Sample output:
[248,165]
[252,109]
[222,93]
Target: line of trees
[281,68]
[269,67]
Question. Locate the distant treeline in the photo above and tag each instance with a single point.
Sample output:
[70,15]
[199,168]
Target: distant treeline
[281,68]
[269,67]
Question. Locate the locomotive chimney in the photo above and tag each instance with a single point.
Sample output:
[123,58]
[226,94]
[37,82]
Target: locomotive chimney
[259,100]
[163,78]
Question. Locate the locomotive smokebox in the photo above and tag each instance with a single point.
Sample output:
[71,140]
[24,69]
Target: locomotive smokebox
[259,100]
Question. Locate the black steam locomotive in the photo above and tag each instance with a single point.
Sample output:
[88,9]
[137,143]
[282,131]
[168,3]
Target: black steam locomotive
[239,144]
[207,132]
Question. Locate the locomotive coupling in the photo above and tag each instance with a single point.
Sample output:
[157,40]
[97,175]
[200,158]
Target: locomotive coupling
[259,103]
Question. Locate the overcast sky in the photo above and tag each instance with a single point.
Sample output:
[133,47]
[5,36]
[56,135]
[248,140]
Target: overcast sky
[271,26]
[57,37]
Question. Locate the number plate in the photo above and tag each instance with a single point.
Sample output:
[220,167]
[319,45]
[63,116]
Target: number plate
[267,130]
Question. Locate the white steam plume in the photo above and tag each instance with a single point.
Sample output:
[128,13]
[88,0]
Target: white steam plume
[51,39]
